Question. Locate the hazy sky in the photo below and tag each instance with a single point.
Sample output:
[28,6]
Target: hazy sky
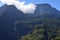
[53,3]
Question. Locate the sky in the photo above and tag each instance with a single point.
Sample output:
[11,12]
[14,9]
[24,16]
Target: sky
[53,3]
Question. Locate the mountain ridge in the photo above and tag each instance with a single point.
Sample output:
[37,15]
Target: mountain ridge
[41,8]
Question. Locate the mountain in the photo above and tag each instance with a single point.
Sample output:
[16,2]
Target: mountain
[46,9]
[9,16]
[15,23]
[43,8]
[2,9]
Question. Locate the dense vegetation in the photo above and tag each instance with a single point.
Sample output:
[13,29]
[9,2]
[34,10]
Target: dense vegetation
[43,29]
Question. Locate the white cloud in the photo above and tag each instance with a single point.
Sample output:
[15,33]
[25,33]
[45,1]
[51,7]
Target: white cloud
[30,8]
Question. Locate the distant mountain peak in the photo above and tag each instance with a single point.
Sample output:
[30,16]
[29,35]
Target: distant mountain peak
[46,4]
[44,9]
[9,9]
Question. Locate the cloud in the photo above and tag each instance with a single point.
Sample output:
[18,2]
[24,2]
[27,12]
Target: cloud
[29,8]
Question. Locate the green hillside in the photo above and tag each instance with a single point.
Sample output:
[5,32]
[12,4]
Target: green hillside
[44,29]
